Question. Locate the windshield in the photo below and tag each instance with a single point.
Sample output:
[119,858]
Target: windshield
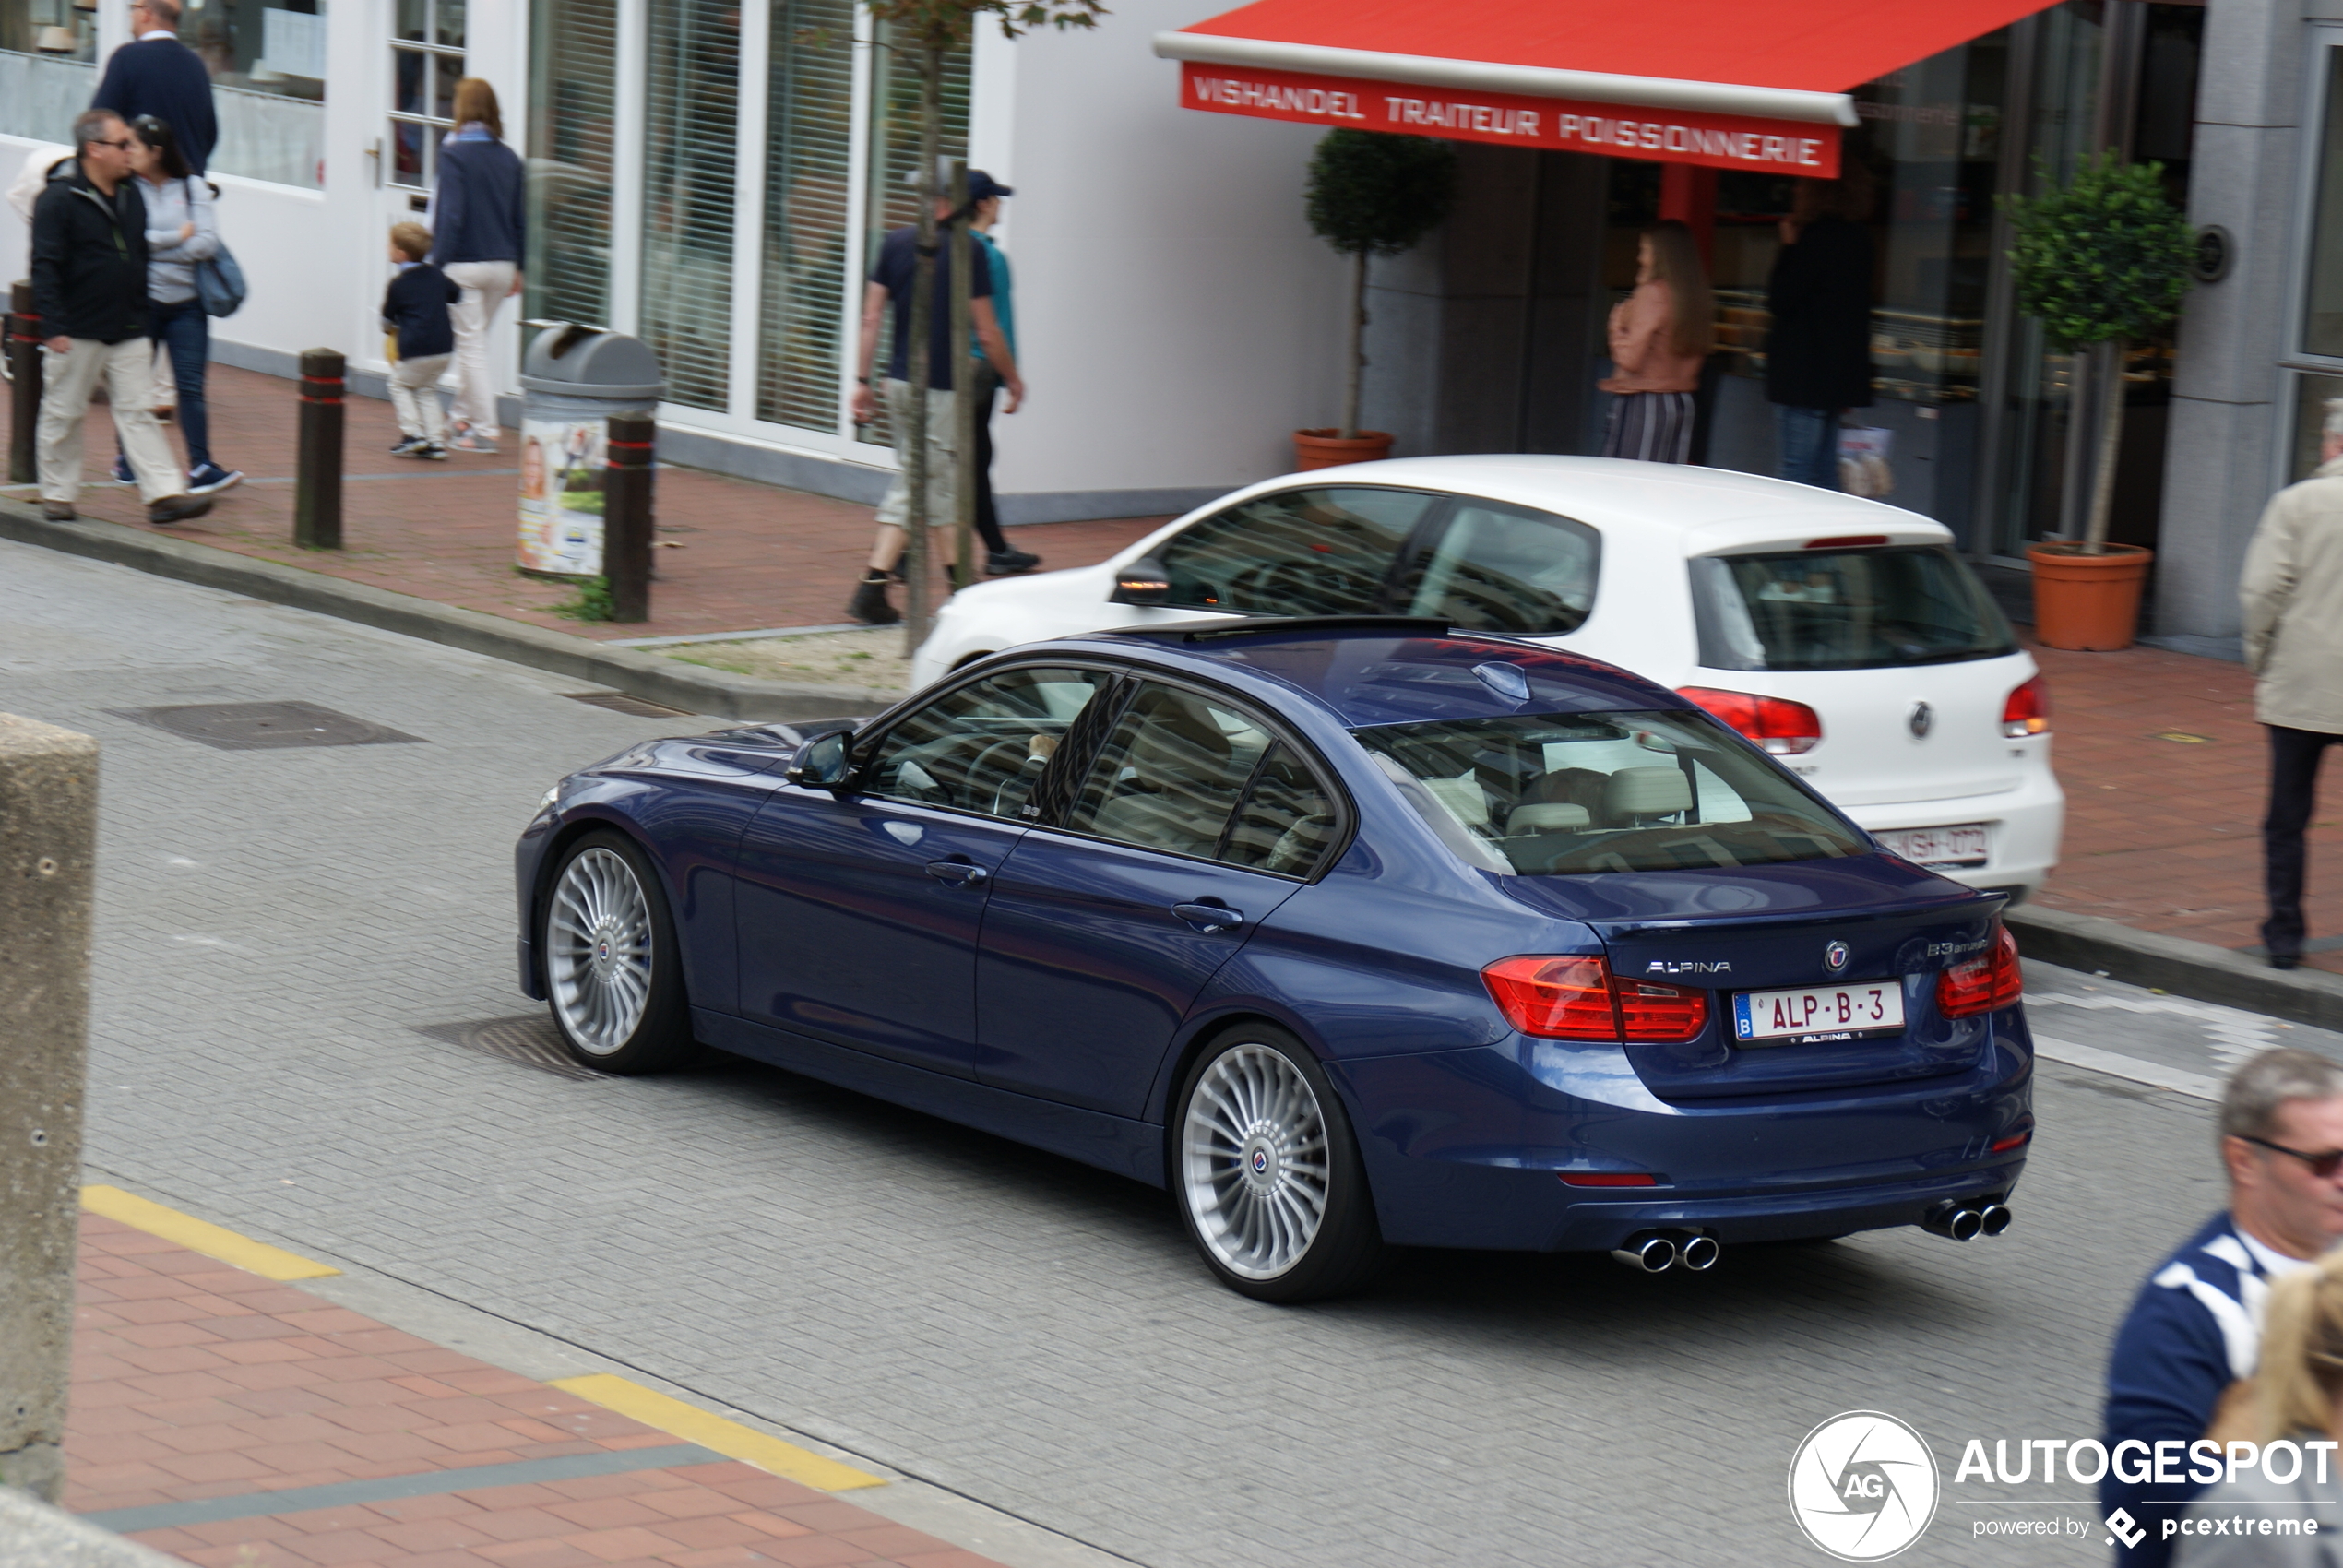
[1569,794]
[1843,610]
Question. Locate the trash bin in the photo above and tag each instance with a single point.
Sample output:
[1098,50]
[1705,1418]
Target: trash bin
[573,379]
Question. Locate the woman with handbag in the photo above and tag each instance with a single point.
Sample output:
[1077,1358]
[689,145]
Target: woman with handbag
[182,233]
[479,227]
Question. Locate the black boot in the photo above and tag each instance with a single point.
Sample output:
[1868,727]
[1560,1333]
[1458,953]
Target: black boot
[869,604]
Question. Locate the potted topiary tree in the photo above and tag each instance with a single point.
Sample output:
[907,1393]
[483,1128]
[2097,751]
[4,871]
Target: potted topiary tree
[1370,193]
[2102,261]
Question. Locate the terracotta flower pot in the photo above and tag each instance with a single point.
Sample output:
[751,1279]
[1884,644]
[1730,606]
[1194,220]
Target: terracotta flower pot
[1327,449]
[2090,603]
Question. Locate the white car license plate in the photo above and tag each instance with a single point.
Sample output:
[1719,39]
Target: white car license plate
[1963,846]
[1818,1013]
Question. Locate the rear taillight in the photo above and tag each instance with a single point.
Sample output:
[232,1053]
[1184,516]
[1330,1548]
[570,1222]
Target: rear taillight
[2027,710]
[1581,999]
[1982,985]
[1782,727]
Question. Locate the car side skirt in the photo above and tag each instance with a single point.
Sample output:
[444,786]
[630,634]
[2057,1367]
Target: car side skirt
[1111,1143]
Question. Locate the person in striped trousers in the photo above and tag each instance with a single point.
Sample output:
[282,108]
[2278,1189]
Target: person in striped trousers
[1659,336]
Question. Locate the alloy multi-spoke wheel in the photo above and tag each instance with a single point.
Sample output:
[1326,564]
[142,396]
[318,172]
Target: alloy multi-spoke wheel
[609,950]
[1267,1175]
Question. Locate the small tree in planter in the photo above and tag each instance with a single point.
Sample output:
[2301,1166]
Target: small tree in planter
[1372,194]
[2102,261]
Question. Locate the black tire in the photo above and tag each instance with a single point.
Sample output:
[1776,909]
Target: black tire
[590,1002]
[1242,1178]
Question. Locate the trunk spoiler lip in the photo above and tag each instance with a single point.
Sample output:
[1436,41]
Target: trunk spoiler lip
[1973,902]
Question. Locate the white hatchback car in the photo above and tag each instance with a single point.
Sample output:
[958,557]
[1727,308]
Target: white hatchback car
[1843,635]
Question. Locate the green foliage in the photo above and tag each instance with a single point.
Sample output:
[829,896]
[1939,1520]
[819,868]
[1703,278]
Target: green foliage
[2106,256]
[593,601]
[948,24]
[1374,194]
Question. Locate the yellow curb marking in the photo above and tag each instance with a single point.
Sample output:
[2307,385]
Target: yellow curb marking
[201,1236]
[728,1438]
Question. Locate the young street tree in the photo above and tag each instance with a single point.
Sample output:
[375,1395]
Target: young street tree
[1374,194]
[2102,261]
[925,32]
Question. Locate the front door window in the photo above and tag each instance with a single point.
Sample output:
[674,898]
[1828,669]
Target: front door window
[1321,551]
[427,60]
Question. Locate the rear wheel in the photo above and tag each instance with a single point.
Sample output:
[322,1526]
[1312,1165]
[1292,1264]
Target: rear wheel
[1267,1173]
[612,974]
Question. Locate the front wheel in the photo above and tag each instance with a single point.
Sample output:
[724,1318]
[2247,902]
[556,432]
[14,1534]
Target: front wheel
[613,973]
[1267,1174]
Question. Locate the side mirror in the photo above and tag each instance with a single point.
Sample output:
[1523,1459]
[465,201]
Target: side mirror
[1143,581]
[820,763]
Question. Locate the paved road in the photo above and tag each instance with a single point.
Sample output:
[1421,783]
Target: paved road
[278,928]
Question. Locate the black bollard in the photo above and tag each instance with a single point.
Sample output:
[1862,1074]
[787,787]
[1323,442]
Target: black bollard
[24,385]
[626,515]
[318,476]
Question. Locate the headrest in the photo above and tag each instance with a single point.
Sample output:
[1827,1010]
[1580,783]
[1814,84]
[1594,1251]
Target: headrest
[1646,791]
[1547,816]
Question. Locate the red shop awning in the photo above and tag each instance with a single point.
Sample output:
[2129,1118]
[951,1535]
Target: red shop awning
[1731,84]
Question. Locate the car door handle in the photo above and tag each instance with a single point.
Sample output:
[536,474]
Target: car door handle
[957,873]
[1209,918]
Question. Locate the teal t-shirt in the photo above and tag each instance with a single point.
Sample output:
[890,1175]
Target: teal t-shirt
[1003,308]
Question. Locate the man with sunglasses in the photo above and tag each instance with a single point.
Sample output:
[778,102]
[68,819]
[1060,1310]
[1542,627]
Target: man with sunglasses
[2194,1330]
[90,289]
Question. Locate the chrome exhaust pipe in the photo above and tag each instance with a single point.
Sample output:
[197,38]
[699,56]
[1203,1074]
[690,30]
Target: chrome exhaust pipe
[1994,1218]
[1954,1220]
[1648,1253]
[1699,1253]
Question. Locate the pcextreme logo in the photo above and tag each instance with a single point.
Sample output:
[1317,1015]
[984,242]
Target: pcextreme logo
[1863,1486]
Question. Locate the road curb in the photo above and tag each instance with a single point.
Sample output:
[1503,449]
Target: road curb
[2174,964]
[652,677]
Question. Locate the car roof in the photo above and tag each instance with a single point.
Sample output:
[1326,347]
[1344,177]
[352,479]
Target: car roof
[1390,669]
[1723,506]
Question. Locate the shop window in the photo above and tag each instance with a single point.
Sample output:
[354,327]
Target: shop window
[2322,321]
[808,183]
[573,107]
[48,50]
[2311,395]
[268,66]
[690,167]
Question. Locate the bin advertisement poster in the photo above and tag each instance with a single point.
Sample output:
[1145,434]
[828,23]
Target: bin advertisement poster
[560,496]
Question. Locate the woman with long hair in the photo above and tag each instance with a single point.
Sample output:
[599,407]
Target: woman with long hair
[2296,1399]
[1660,335]
[182,230]
[479,235]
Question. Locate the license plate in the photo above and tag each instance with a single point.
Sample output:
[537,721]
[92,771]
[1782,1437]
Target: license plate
[1962,845]
[1818,1013]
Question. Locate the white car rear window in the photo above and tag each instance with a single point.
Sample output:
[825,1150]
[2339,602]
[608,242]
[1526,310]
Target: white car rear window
[1862,608]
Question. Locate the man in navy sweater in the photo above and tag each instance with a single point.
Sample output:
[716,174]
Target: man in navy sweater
[2195,1331]
[157,75]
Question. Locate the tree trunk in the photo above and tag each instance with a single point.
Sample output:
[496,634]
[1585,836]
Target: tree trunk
[2110,443]
[963,381]
[915,476]
[1358,356]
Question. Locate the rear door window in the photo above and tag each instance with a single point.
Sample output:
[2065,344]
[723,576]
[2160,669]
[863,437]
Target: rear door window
[1319,552]
[1844,610]
[1170,774]
[1506,569]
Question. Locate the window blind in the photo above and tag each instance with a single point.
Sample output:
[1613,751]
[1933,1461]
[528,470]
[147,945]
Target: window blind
[808,177]
[573,115]
[689,166]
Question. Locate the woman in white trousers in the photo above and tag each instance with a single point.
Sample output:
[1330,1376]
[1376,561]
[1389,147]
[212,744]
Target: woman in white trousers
[479,235]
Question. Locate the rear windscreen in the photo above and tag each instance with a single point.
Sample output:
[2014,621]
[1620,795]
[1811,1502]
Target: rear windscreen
[1843,610]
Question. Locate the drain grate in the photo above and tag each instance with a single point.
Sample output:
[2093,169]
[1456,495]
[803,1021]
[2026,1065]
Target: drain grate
[619,702]
[266,726]
[528,1039]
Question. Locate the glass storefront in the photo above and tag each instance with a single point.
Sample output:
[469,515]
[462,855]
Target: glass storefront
[2314,345]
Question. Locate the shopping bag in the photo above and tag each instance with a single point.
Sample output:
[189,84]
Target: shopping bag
[1863,452]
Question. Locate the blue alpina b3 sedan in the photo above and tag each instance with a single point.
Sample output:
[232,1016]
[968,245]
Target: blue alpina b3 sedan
[1352,932]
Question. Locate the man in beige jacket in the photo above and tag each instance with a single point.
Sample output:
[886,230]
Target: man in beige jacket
[2292,594]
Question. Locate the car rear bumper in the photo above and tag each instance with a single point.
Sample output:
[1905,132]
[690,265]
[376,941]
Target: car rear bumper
[2024,826]
[1433,1132]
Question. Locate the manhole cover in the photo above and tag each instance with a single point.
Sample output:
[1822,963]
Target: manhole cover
[619,702]
[265,726]
[528,1039]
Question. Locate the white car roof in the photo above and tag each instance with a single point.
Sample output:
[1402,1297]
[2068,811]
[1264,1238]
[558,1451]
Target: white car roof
[1704,509]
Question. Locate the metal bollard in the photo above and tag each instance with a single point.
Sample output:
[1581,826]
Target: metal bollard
[24,385]
[626,515]
[317,477]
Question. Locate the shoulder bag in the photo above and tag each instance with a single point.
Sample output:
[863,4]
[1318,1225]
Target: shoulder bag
[219,283]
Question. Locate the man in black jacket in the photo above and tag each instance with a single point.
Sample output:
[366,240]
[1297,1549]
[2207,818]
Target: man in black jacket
[90,289]
[155,74]
[1818,352]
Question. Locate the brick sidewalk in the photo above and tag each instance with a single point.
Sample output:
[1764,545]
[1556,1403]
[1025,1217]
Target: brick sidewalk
[751,556]
[197,1381]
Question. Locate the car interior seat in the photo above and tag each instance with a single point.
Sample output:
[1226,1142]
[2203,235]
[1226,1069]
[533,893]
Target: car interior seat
[1634,796]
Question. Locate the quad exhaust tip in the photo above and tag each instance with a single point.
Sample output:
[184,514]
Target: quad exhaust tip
[1656,1251]
[1966,1220]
